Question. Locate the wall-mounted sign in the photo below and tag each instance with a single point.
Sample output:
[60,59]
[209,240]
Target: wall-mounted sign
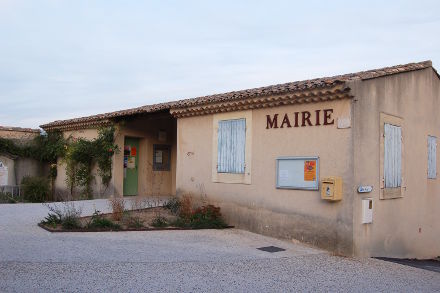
[297,173]
[133,151]
[365,188]
[300,119]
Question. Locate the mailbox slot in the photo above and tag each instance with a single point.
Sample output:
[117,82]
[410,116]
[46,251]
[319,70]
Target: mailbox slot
[331,188]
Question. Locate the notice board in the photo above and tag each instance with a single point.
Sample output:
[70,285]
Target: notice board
[297,173]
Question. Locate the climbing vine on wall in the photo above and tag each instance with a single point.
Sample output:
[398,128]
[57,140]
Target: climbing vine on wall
[45,148]
[82,154]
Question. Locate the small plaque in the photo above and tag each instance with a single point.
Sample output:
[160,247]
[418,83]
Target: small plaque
[365,188]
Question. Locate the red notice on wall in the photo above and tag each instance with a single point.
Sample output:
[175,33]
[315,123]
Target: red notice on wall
[309,170]
[133,151]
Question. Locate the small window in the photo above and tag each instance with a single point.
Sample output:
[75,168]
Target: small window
[161,157]
[231,146]
[393,156]
[432,157]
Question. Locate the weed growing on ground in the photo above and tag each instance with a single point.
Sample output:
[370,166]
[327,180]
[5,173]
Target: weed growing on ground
[118,208]
[204,217]
[186,207]
[97,221]
[52,220]
[6,197]
[134,222]
[159,222]
[173,205]
[70,223]
[65,213]
[207,217]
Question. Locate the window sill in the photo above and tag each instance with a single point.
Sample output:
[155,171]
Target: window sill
[232,178]
[391,193]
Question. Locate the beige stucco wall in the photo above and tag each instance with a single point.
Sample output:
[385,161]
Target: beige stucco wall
[157,183]
[259,206]
[409,226]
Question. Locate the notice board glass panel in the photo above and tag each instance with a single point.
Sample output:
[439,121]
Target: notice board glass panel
[297,173]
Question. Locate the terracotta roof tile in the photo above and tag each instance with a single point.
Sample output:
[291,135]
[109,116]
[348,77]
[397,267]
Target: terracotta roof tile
[19,129]
[244,94]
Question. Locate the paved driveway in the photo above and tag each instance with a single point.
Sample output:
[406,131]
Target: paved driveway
[34,260]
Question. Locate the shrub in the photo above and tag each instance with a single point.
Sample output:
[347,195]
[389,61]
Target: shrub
[118,208]
[180,222]
[35,189]
[52,219]
[99,222]
[66,214]
[207,217]
[173,205]
[186,206]
[159,222]
[6,197]
[70,223]
[134,222]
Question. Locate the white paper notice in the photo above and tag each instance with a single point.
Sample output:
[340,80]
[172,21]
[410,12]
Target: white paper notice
[131,164]
[284,174]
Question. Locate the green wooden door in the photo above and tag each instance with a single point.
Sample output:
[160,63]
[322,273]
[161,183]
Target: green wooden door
[131,162]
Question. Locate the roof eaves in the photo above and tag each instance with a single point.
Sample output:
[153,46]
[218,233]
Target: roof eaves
[237,96]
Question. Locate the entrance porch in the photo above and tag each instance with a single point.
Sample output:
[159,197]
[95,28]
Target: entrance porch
[146,162]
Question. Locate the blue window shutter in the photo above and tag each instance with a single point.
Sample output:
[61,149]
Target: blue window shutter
[432,157]
[231,146]
[393,156]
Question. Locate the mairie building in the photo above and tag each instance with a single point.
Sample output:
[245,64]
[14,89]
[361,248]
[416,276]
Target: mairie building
[346,163]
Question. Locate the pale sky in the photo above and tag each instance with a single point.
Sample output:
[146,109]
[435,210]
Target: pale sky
[66,59]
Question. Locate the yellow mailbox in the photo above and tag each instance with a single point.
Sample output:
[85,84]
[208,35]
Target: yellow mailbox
[331,188]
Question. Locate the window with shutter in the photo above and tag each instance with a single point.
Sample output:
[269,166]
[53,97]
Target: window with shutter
[231,146]
[432,157]
[393,156]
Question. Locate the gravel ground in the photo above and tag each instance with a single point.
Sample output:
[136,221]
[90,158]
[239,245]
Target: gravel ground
[34,260]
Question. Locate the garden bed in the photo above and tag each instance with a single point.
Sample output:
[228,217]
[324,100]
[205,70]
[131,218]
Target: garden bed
[155,218]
